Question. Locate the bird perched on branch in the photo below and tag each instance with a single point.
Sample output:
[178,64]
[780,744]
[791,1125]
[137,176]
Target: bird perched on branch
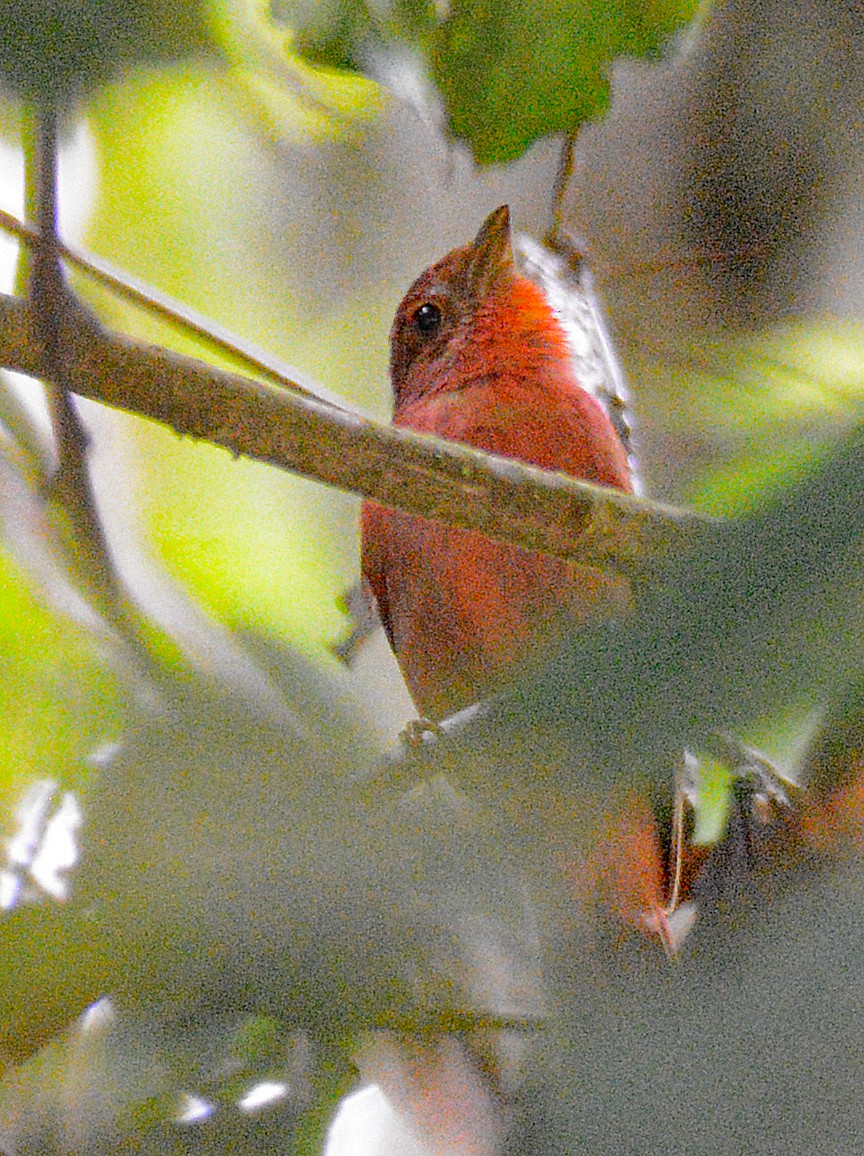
[478,356]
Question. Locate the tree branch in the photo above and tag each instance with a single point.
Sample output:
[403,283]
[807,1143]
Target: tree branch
[464,487]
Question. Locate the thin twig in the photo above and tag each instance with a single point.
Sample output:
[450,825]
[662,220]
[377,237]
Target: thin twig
[168,309]
[562,180]
[70,488]
[688,258]
[46,289]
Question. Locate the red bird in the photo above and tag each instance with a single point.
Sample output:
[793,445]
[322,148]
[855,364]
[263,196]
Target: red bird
[478,356]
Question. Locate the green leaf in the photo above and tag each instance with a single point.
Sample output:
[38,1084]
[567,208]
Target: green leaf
[342,33]
[512,72]
[330,32]
[509,71]
[715,796]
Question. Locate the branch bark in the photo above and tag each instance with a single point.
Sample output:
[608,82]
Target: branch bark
[422,475]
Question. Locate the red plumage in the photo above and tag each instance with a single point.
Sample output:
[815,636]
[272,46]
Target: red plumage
[478,356]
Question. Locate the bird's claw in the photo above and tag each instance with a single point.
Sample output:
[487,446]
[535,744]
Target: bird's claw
[420,732]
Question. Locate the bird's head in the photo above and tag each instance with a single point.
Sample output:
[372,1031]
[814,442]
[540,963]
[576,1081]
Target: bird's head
[465,311]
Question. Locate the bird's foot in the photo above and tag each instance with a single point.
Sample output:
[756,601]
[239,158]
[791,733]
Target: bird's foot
[419,732]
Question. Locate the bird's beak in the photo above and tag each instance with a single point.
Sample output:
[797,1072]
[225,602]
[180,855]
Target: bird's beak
[491,254]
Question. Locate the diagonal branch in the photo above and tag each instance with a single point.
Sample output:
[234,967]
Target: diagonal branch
[533,508]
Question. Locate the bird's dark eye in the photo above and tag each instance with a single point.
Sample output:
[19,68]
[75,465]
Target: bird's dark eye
[427,319]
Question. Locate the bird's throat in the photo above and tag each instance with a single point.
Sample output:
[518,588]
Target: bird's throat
[513,337]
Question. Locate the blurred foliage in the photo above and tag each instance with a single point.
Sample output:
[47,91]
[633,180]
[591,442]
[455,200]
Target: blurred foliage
[743,1046]
[230,1083]
[232,869]
[295,100]
[256,549]
[58,699]
[341,34]
[778,400]
[51,51]
[255,546]
[508,73]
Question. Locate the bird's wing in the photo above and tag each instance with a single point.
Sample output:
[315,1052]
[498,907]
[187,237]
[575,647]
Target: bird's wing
[373,559]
